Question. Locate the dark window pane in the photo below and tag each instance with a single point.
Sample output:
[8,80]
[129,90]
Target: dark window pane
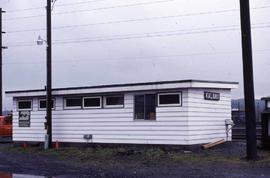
[145,107]
[92,102]
[169,99]
[24,105]
[114,100]
[150,107]
[73,102]
[139,107]
[42,104]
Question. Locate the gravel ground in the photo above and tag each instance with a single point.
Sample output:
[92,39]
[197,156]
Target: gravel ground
[226,160]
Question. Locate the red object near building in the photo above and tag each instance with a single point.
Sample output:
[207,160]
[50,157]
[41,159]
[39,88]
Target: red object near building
[5,126]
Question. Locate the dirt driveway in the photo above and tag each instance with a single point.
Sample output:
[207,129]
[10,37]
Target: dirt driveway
[224,161]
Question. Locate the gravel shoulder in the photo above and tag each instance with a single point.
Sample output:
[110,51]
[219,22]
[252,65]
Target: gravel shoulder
[226,160]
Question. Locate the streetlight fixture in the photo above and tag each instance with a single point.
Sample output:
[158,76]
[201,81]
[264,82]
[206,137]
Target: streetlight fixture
[40,41]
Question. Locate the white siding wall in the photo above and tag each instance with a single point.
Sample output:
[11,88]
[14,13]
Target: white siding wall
[36,130]
[206,119]
[196,121]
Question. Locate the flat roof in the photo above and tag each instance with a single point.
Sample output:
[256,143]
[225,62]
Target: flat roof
[123,85]
[265,98]
[128,87]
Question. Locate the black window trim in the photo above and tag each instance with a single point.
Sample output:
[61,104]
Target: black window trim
[44,109]
[92,107]
[170,105]
[24,100]
[71,107]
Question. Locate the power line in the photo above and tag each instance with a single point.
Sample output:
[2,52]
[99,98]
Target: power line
[58,5]
[113,7]
[104,23]
[140,35]
[126,21]
[132,34]
[95,9]
[121,6]
[143,36]
[147,33]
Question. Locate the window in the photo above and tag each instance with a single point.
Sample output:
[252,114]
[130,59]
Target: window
[43,104]
[113,101]
[145,107]
[268,104]
[25,105]
[73,103]
[169,99]
[92,102]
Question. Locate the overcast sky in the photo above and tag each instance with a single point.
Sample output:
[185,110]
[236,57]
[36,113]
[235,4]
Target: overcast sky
[126,41]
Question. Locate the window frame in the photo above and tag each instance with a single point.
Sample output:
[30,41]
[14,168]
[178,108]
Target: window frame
[169,105]
[71,107]
[25,100]
[144,95]
[92,107]
[113,106]
[43,109]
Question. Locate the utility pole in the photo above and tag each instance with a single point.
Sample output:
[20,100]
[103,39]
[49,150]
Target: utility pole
[49,74]
[250,114]
[1,62]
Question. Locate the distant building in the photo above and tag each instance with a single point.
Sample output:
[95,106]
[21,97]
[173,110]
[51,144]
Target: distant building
[170,112]
[238,117]
[238,110]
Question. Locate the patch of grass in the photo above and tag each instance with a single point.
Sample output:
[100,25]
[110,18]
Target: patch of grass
[203,158]
[132,156]
[153,154]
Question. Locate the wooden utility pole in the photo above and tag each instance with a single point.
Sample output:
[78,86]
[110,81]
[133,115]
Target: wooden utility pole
[250,114]
[1,62]
[49,74]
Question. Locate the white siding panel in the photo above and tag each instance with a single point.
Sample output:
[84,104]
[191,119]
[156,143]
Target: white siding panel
[125,141]
[206,105]
[28,138]
[207,118]
[208,136]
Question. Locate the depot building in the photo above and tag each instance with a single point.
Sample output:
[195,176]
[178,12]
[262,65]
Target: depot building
[184,112]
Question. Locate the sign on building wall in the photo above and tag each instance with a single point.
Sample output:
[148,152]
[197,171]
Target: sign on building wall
[211,96]
[24,118]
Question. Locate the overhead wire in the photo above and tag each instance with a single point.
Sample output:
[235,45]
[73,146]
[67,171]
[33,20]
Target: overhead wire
[125,21]
[134,35]
[113,7]
[141,35]
[58,5]
[94,9]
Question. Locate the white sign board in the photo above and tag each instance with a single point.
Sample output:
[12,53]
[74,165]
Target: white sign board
[211,96]
[24,118]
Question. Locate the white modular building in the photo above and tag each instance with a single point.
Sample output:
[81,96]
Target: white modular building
[185,112]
